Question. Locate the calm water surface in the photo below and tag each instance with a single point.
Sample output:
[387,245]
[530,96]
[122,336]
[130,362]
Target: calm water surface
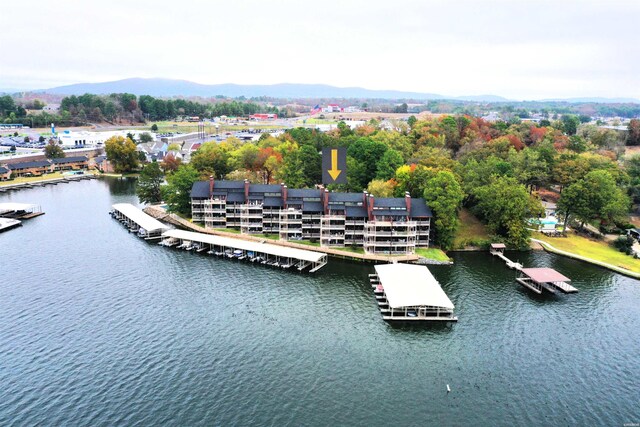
[98,327]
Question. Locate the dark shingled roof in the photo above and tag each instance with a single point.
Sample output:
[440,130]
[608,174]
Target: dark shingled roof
[64,160]
[235,197]
[389,212]
[420,209]
[222,184]
[26,165]
[272,202]
[312,207]
[264,188]
[355,212]
[3,169]
[200,190]
[303,192]
[390,202]
[345,197]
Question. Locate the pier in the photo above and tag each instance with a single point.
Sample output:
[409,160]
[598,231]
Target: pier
[20,210]
[137,221]
[535,279]
[497,249]
[409,292]
[34,184]
[257,252]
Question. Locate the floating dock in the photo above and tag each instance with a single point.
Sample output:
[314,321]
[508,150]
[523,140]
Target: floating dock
[33,184]
[409,292]
[497,249]
[260,252]
[137,221]
[539,279]
[8,224]
[20,210]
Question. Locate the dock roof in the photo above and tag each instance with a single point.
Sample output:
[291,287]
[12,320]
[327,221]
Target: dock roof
[246,245]
[136,215]
[545,275]
[410,285]
[14,207]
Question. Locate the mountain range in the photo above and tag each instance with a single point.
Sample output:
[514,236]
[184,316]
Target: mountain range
[169,87]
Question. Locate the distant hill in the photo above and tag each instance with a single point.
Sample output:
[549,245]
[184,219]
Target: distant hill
[168,87]
[594,100]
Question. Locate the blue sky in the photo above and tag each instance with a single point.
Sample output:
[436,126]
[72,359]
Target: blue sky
[518,49]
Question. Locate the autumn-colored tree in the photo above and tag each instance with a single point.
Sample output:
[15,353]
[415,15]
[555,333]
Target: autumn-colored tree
[634,132]
[170,163]
[122,154]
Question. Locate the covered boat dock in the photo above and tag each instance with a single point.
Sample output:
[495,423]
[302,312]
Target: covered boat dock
[20,210]
[410,292]
[539,279]
[137,221]
[261,252]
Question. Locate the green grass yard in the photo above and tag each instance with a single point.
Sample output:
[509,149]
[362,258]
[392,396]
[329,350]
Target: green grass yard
[598,250]
[432,253]
[471,232]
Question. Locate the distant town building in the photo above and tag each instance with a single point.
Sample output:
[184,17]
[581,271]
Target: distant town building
[263,116]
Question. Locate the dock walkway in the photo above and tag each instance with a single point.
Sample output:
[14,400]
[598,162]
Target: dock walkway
[34,184]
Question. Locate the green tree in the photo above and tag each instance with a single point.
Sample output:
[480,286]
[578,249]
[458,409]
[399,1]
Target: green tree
[570,124]
[177,192]
[122,154]
[148,186]
[311,165]
[390,161]
[212,159]
[145,137]
[444,195]
[506,205]
[53,150]
[594,197]
[292,171]
[154,127]
[411,121]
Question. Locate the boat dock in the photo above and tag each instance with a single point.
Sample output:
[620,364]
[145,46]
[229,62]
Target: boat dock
[8,224]
[539,279]
[409,292]
[497,249]
[20,210]
[137,221]
[257,252]
[33,184]
[535,279]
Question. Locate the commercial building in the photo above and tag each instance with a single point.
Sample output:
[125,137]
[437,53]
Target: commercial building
[379,225]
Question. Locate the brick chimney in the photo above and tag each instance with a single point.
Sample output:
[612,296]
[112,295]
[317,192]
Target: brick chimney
[246,191]
[283,190]
[211,182]
[370,207]
[407,200]
[325,201]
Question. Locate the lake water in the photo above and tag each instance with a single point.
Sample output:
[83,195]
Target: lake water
[98,327]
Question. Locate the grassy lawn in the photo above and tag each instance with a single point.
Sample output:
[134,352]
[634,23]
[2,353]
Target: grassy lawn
[23,179]
[432,253]
[267,236]
[471,232]
[355,250]
[306,242]
[595,249]
[228,230]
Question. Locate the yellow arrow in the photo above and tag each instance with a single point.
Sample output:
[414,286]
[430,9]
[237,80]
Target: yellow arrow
[334,171]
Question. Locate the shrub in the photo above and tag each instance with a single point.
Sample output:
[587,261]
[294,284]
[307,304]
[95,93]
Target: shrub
[624,244]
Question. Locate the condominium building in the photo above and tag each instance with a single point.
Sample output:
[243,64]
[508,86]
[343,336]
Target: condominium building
[380,225]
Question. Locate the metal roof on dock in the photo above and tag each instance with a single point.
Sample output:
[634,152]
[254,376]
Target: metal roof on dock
[136,215]
[246,245]
[410,285]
